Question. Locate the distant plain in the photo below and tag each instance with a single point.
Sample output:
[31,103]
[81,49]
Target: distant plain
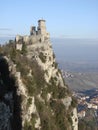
[80,58]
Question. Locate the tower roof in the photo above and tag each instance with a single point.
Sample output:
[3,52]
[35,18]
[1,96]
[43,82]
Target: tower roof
[41,20]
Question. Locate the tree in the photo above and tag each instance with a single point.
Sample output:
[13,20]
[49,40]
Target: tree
[24,49]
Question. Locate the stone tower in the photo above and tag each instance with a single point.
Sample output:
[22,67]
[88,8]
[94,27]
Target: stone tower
[41,27]
[33,30]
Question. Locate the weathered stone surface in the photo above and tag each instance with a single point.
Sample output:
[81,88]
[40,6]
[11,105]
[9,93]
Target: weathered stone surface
[67,101]
[75,119]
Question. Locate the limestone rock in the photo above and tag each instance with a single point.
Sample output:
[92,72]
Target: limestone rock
[39,92]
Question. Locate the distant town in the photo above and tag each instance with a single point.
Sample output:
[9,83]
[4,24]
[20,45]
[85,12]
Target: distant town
[87,100]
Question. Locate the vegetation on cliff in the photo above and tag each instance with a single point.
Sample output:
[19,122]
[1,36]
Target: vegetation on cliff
[51,112]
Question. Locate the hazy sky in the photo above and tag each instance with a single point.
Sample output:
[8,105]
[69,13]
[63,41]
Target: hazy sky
[64,18]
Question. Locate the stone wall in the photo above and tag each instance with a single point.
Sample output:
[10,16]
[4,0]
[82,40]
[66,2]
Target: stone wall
[35,36]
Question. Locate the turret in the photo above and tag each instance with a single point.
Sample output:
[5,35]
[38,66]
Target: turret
[42,27]
[33,30]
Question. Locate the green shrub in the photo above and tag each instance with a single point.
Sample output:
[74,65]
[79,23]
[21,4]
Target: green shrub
[70,119]
[29,102]
[60,114]
[30,85]
[53,55]
[42,57]
[57,73]
[62,92]
[27,126]
[74,102]
[24,49]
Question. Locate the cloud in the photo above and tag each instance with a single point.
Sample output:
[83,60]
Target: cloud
[6,32]
[7,35]
[5,29]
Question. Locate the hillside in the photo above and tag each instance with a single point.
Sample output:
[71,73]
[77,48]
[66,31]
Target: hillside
[33,93]
[79,58]
[82,81]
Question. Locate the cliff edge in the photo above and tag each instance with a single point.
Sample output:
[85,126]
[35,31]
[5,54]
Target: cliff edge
[34,95]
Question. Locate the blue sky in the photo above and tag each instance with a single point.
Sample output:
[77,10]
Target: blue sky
[64,18]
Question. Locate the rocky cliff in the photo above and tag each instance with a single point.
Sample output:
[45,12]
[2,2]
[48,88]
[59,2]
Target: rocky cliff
[33,94]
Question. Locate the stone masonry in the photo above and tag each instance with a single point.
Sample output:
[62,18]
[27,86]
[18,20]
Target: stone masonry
[36,35]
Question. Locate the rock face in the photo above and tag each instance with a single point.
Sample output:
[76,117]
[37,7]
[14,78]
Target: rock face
[10,117]
[38,91]
[4,116]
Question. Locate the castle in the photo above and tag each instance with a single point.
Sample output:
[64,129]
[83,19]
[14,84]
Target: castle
[36,35]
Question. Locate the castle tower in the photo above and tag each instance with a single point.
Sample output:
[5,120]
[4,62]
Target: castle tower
[41,27]
[33,30]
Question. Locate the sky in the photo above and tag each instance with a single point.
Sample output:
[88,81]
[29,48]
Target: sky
[64,18]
